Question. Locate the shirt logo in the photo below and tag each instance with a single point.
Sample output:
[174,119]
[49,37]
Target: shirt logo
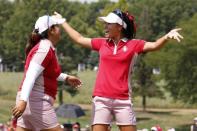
[125,49]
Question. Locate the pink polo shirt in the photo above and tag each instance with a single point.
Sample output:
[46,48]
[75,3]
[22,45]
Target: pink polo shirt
[44,54]
[115,66]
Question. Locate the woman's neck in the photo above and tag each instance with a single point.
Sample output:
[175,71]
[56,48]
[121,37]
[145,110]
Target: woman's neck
[117,39]
[53,41]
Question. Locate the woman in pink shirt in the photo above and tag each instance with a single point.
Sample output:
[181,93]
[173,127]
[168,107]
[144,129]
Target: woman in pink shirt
[117,50]
[35,98]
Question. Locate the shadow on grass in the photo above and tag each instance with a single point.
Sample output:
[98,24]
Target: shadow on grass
[157,112]
[183,128]
[161,112]
[143,119]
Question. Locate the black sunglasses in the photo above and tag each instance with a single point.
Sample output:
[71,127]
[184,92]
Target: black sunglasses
[119,13]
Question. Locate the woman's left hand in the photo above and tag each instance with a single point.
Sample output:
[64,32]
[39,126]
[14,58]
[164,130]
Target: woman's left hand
[18,110]
[73,81]
[173,34]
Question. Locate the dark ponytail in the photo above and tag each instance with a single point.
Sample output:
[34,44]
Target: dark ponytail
[130,31]
[34,39]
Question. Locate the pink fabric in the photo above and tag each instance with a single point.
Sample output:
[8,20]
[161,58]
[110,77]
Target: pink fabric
[39,113]
[104,109]
[114,69]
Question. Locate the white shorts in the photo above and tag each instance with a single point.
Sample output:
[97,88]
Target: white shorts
[39,113]
[104,109]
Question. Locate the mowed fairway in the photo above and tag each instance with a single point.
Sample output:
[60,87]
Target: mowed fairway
[164,112]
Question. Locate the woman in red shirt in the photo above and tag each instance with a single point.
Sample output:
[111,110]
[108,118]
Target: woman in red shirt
[117,50]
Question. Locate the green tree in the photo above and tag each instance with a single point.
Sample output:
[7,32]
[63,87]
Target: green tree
[155,18]
[93,59]
[181,73]
[143,81]
[6,9]
[21,24]
[19,27]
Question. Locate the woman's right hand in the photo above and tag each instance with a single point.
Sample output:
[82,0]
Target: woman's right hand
[57,15]
[73,81]
[19,108]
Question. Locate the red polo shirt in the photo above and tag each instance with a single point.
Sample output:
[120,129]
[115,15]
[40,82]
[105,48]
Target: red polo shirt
[115,66]
[44,54]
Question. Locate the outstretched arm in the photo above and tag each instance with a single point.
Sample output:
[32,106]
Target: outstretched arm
[152,46]
[76,36]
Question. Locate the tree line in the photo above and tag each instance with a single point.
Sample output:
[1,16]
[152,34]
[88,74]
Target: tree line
[177,62]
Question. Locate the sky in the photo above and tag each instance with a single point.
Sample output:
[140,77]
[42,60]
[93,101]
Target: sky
[91,0]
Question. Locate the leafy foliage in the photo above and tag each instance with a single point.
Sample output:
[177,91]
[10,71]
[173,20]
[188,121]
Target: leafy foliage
[156,18]
[182,74]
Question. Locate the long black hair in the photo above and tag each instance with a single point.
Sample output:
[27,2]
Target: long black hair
[130,30]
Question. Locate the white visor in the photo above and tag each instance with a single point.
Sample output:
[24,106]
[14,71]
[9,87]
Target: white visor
[46,21]
[195,119]
[113,18]
[153,129]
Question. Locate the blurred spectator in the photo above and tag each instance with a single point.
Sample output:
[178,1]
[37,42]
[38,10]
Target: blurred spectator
[1,127]
[67,127]
[76,126]
[62,126]
[156,128]
[95,68]
[171,129]
[81,67]
[194,125]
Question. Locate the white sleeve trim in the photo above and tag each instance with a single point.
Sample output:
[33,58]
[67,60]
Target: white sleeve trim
[62,77]
[34,70]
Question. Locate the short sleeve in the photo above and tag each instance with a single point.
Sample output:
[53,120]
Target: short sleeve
[139,45]
[96,43]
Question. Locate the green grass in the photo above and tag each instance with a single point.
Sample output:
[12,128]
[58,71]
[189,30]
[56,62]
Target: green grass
[85,92]
[9,83]
[166,118]
[164,112]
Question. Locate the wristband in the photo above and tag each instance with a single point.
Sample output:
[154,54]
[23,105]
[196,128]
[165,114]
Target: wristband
[62,77]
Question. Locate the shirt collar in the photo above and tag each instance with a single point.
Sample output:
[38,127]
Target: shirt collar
[52,46]
[124,39]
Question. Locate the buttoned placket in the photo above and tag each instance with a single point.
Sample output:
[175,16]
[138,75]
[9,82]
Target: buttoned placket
[116,45]
[115,49]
